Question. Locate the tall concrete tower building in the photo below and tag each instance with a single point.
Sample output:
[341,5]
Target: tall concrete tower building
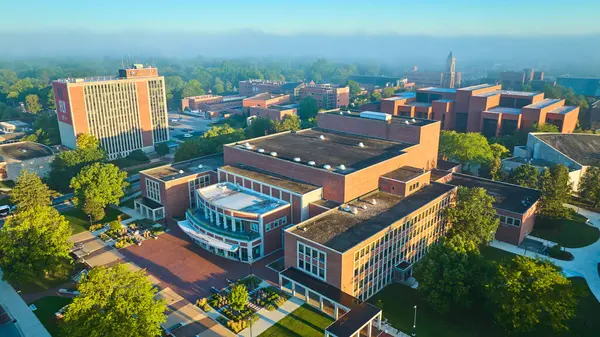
[449,78]
[125,112]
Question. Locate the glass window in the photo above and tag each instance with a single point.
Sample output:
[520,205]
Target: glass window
[254,227]
[517,222]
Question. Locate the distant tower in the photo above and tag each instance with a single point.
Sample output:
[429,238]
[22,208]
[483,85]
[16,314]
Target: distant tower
[450,72]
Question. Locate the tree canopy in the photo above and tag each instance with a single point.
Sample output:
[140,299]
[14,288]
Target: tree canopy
[354,89]
[67,164]
[556,191]
[115,301]
[387,92]
[162,149]
[474,216]
[30,192]
[238,297]
[33,242]
[466,148]
[32,102]
[589,186]
[209,143]
[97,186]
[524,175]
[308,108]
[528,292]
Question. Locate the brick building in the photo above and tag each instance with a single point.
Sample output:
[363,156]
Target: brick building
[327,96]
[210,106]
[484,108]
[264,100]
[354,203]
[254,87]
[126,112]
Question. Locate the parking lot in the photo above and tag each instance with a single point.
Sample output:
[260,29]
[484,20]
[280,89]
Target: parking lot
[188,269]
[180,124]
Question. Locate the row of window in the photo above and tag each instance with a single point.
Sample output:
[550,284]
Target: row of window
[413,187]
[277,223]
[152,190]
[226,221]
[510,221]
[311,260]
[160,128]
[195,184]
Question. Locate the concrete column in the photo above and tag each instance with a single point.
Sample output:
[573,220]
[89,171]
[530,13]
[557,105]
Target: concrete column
[293,288]
[369,327]
[321,303]
[335,311]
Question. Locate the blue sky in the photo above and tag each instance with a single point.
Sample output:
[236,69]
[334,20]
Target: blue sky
[428,17]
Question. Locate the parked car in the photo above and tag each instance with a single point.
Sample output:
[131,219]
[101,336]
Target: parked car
[187,135]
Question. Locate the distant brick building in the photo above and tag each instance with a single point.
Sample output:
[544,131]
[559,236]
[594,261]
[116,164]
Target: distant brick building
[327,96]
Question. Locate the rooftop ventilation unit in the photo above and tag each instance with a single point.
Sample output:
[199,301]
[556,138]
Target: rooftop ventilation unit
[354,210]
[342,167]
[413,120]
[363,206]
[361,144]
[311,163]
[341,113]
[200,166]
[247,145]
[274,154]
[382,116]
[407,122]
[297,159]
[327,167]
[180,171]
[261,150]
[321,137]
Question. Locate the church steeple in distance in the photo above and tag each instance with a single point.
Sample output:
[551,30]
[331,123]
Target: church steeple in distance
[450,72]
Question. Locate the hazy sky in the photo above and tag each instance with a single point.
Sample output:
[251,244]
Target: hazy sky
[415,17]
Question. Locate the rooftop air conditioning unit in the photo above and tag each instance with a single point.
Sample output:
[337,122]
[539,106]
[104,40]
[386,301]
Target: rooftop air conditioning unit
[180,171]
[311,163]
[261,150]
[361,144]
[327,167]
[297,159]
[407,122]
[413,120]
[321,137]
[342,167]
[274,154]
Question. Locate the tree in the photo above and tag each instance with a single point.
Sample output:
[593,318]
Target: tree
[33,243]
[67,164]
[46,129]
[260,126]
[192,88]
[355,89]
[466,148]
[308,108]
[499,151]
[387,92]
[556,191]
[32,102]
[589,186]
[289,122]
[524,175]
[30,192]
[97,186]
[474,217]
[375,96]
[115,301]
[210,142]
[238,297]
[546,127]
[492,169]
[218,87]
[527,292]
[162,149]
[50,100]
[449,273]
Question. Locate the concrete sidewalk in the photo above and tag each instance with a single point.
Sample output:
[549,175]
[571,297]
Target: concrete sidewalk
[26,319]
[268,318]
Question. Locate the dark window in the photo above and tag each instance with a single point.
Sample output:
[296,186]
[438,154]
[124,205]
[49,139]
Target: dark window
[509,126]
[521,102]
[489,127]
[507,102]
[422,97]
[434,97]
[461,122]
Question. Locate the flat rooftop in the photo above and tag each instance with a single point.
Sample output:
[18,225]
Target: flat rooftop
[186,168]
[270,178]
[341,230]
[505,110]
[544,103]
[395,119]
[405,173]
[508,197]
[562,110]
[583,148]
[265,95]
[422,104]
[233,197]
[24,151]
[477,87]
[507,92]
[437,174]
[438,89]
[530,161]
[335,149]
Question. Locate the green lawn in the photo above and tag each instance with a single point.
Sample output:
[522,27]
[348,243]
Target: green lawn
[495,254]
[571,232]
[302,322]
[399,300]
[46,309]
[80,222]
[64,274]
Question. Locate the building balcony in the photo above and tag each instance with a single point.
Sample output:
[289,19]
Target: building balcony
[200,221]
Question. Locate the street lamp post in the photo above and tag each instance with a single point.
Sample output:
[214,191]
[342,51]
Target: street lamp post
[414,332]
[91,222]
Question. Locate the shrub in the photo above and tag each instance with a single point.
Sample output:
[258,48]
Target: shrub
[115,225]
[96,227]
[557,252]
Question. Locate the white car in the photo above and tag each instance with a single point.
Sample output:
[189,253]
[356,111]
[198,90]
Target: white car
[187,135]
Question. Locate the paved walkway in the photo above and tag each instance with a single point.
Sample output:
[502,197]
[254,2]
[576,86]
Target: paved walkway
[586,259]
[267,318]
[26,319]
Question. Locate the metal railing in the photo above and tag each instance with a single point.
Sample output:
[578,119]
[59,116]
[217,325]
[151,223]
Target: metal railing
[203,223]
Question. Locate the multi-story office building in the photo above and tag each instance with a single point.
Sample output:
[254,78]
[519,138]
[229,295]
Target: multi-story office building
[254,87]
[327,96]
[212,103]
[484,108]
[354,203]
[449,77]
[126,112]
[265,100]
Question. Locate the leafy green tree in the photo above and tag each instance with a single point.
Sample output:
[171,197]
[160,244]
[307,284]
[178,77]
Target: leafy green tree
[289,122]
[30,192]
[556,191]
[260,126]
[67,164]
[528,292]
[387,92]
[547,127]
[34,243]
[209,143]
[7,112]
[46,130]
[238,297]
[499,151]
[33,104]
[524,175]
[355,89]
[375,96]
[466,148]
[115,301]
[308,108]
[192,88]
[219,87]
[162,149]
[449,272]
[50,100]
[474,216]
[589,186]
[97,186]
[492,169]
